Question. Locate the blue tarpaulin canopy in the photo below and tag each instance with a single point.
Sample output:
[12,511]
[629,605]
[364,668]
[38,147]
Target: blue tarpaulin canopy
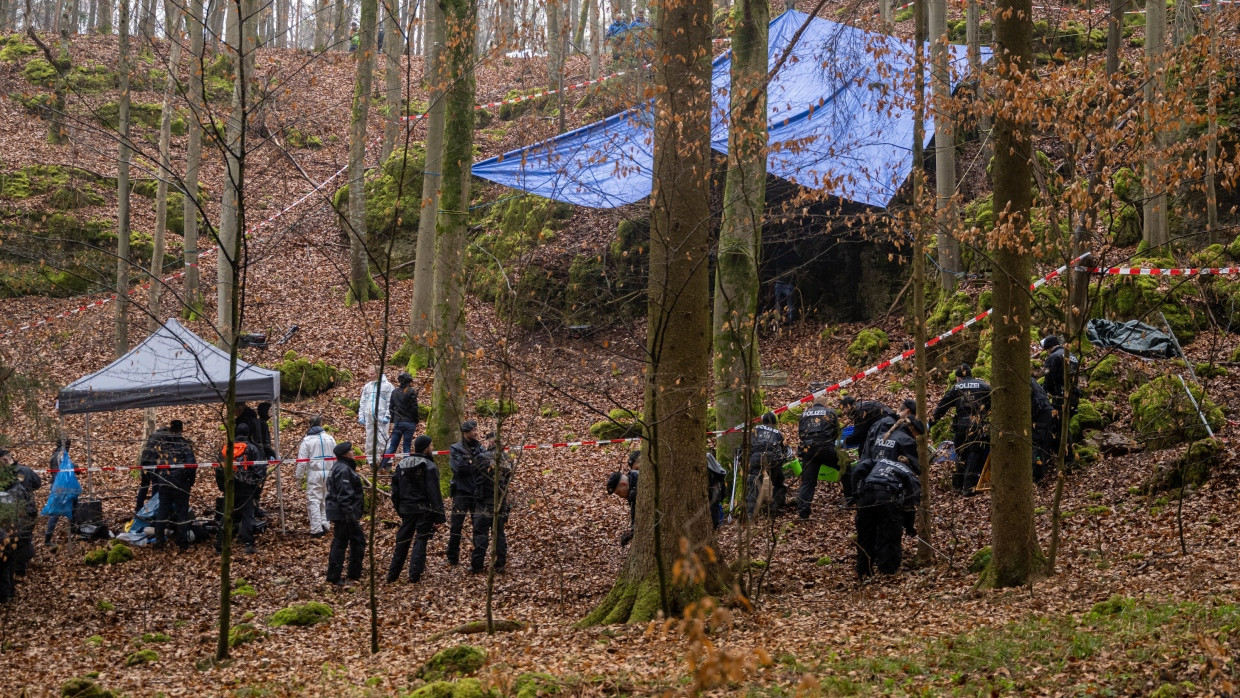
[840,117]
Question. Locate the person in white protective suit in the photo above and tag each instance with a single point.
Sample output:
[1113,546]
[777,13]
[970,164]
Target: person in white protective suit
[314,463]
[375,421]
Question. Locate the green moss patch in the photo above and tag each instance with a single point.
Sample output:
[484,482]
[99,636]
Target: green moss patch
[242,588]
[1191,469]
[141,114]
[867,347]
[113,554]
[620,424]
[299,376]
[1163,415]
[39,72]
[302,615]
[487,407]
[455,661]
[464,688]
[14,47]
[244,633]
[82,687]
[142,657]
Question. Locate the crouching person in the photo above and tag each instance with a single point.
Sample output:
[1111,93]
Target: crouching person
[344,511]
[416,497]
[888,492]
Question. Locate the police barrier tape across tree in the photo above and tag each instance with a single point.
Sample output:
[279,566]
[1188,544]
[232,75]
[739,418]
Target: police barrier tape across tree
[605,442]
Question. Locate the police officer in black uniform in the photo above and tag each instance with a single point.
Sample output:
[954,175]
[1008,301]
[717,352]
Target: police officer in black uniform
[172,485]
[863,415]
[247,483]
[888,493]
[30,481]
[1063,400]
[899,441]
[415,496]
[491,506]
[468,459]
[767,454]
[971,426]
[1045,447]
[817,431]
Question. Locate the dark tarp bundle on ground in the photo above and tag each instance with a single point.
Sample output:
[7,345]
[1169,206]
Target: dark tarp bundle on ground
[173,366]
[1133,337]
[839,114]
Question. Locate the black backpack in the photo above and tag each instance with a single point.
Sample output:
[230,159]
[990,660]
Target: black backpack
[814,430]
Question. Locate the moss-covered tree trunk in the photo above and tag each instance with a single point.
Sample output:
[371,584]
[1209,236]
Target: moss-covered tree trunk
[448,308]
[1156,232]
[944,147]
[1015,555]
[423,266]
[672,504]
[361,286]
[1212,129]
[740,231]
[122,188]
[193,158]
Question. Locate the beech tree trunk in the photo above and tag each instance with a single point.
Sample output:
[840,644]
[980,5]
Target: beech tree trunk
[1015,555]
[393,44]
[944,147]
[424,260]
[172,22]
[973,38]
[596,44]
[240,37]
[361,286]
[452,224]
[193,158]
[122,187]
[557,32]
[740,230]
[672,504]
[1156,231]
[1212,131]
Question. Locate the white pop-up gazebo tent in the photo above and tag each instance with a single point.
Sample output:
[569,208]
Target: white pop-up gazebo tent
[173,366]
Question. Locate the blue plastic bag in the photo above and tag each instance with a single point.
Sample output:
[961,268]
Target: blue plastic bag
[65,490]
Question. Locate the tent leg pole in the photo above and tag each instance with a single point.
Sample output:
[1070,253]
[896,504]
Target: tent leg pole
[279,474]
[90,480]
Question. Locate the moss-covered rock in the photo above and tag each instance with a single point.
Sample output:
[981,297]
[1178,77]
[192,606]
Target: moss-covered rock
[92,78]
[867,347]
[535,684]
[300,139]
[529,102]
[302,614]
[142,657]
[14,47]
[1191,469]
[119,553]
[299,376]
[243,633]
[1105,376]
[980,560]
[451,662]
[620,424]
[82,687]
[141,114]
[488,407]
[393,204]
[1162,414]
[463,688]
[1088,416]
[39,72]
[96,557]
[242,588]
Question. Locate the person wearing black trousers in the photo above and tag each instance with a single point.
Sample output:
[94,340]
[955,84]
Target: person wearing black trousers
[30,482]
[888,493]
[817,431]
[492,482]
[970,397]
[416,498]
[173,486]
[468,459]
[344,510]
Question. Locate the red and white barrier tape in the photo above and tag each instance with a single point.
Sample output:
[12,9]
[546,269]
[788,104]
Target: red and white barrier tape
[1142,271]
[244,465]
[899,357]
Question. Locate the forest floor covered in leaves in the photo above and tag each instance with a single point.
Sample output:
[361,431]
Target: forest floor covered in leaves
[1145,599]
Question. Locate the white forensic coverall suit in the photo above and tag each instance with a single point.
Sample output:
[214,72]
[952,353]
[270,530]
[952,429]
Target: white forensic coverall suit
[316,447]
[375,422]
